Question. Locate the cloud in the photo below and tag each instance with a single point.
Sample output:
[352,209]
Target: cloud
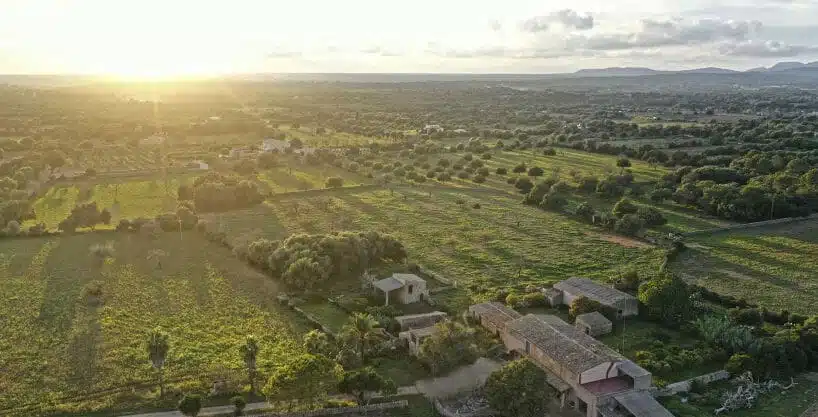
[765,49]
[496,25]
[284,54]
[677,32]
[567,18]
[380,51]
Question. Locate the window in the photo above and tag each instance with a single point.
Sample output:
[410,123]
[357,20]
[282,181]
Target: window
[587,330]
[527,347]
[411,287]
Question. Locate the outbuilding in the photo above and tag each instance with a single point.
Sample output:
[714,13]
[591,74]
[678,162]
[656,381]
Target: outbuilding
[593,324]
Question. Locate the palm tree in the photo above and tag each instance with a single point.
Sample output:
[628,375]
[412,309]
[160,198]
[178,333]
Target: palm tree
[158,346]
[362,325]
[249,352]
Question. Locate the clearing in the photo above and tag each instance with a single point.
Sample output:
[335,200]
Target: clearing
[773,266]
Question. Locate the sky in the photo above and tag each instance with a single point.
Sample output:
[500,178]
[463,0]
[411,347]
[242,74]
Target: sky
[157,38]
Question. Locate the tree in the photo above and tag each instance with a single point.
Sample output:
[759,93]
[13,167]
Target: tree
[452,344]
[317,342]
[535,172]
[666,298]
[361,328]
[622,163]
[308,378]
[190,405]
[158,347]
[238,405]
[361,382]
[519,389]
[249,353]
[582,305]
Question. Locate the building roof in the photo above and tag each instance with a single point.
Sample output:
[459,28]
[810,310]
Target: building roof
[631,369]
[410,317]
[562,342]
[594,320]
[495,313]
[422,332]
[388,284]
[593,290]
[407,278]
[642,404]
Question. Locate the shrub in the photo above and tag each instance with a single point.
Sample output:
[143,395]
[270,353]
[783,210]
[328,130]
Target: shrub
[12,228]
[519,169]
[334,182]
[468,157]
[588,184]
[444,176]
[399,172]
[584,211]
[747,316]
[549,152]
[486,156]
[628,281]
[536,299]
[483,171]
[475,206]
[651,216]
[513,300]
[511,180]
[536,172]
[457,167]
[463,175]
[623,207]
[553,201]
[477,163]
[501,171]
[238,405]
[738,364]
[582,305]
[430,174]
[523,184]
[479,179]
[629,225]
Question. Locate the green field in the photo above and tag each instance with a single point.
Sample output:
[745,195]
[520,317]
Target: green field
[773,266]
[58,348]
[125,200]
[300,177]
[502,243]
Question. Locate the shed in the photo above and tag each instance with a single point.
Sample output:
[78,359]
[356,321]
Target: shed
[493,315]
[404,288]
[593,324]
[417,321]
[415,337]
[625,304]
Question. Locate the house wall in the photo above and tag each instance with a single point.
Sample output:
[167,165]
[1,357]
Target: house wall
[418,291]
[599,372]
[628,307]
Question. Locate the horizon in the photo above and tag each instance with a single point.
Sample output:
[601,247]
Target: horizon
[156,40]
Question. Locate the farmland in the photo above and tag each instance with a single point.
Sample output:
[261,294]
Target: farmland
[57,346]
[502,243]
[772,265]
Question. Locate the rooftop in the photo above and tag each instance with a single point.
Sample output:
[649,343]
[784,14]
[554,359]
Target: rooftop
[495,313]
[594,320]
[642,404]
[593,290]
[405,278]
[563,342]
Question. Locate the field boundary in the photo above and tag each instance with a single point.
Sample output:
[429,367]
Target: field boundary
[785,220]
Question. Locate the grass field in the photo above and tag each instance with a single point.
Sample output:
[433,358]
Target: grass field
[300,177]
[57,347]
[126,200]
[773,266]
[499,244]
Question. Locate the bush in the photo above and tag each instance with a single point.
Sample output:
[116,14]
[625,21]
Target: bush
[628,225]
[523,184]
[582,305]
[238,405]
[486,156]
[519,169]
[738,364]
[513,300]
[747,316]
[463,175]
[651,216]
[588,184]
[501,171]
[553,201]
[511,180]
[628,281]
[483,172]
[536,172]
[584,211]
[468,157]
[334,182]
[549,152]
[623,207]
[479,179]
[536,299]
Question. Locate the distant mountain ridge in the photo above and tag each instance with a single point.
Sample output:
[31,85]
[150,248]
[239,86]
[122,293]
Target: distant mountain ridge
[638,71]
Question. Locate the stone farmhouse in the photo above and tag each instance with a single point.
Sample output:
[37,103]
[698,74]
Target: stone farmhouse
[564,292]
[403,288]
[589,376]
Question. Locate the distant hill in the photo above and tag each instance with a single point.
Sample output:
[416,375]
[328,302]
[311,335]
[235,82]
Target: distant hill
[616,72]
[708,70]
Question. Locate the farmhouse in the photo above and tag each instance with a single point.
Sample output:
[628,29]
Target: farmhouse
[625,304]
[404,288]
[589,376]
[199,164]
[432,129]
[594,324]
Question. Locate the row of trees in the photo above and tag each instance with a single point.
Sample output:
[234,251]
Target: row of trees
[218,192]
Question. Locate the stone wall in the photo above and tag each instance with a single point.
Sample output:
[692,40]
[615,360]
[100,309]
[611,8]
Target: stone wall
[684,386]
